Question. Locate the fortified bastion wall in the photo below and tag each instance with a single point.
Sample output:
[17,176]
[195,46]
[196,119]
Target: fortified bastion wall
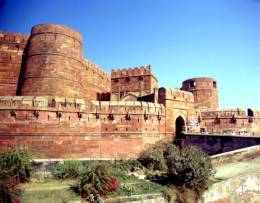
[49,62]
[63,128]
[11,59]
[231,121]
[97,83]
[54,63]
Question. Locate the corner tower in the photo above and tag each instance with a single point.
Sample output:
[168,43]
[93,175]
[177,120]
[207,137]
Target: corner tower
[204,90]
[54,62]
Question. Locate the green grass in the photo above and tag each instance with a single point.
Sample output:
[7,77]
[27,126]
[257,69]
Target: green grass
[48,191]
[50,196]
[51,190]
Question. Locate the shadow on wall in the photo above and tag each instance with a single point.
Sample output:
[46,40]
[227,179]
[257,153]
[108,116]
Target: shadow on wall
[216,144]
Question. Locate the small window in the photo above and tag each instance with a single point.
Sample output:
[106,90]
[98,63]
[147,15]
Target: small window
[116,80]
[214,84]
[127,79]
[141,78]
[192,84]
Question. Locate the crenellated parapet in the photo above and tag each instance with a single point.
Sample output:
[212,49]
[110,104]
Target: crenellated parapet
[71,105]
[96,80]
[228,113]
[13,38]
[134,81]
[11,58]
[66,127]
[175,95]
[235,121]
[132,71]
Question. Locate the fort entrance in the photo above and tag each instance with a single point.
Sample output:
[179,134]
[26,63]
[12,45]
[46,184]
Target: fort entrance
[179,124]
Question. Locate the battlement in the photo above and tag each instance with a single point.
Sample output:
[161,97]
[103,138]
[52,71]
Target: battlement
[175,95]
[56,29]
[97,70]
[79,105]
[128,72]
[229,113]
[10,37]
[41,103]
[131,107]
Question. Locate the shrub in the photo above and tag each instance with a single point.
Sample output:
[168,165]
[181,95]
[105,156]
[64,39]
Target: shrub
[191,167]
[16,164]
[8,192]
[97,181]
[15,167]
[70,169]
[129,165]
[153,157]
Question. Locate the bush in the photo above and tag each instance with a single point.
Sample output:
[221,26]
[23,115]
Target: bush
[191,167]
[97,182]
[8,191]
[16,164]
[70,169]
[15,167]
[129,165]
[153,157]
[188,168]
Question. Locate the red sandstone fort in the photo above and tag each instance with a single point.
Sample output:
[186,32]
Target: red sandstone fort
[55,100]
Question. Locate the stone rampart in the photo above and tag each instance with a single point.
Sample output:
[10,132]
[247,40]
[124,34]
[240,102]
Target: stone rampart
[234,121]
[11,58]
[64,128]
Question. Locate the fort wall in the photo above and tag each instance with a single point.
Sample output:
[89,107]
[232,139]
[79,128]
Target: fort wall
[11,58]
[67,106]
[97,83]
[64,128]
[228,121]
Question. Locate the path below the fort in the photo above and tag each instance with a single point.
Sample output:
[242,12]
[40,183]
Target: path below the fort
[235,182]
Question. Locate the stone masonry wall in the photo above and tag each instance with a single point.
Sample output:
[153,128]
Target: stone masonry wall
[231,121]
[177,104]
[97,83]
[66,128]
[53,62]
[136,81]
[11,57]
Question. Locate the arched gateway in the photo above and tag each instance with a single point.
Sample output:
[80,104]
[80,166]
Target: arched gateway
[179,124]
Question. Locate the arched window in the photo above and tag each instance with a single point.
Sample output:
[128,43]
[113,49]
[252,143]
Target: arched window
[250,113]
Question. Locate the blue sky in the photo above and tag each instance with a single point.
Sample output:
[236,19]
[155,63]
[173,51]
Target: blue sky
[179,38]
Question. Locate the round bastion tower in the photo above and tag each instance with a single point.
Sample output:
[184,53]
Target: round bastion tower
[54,62]
[204,90]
